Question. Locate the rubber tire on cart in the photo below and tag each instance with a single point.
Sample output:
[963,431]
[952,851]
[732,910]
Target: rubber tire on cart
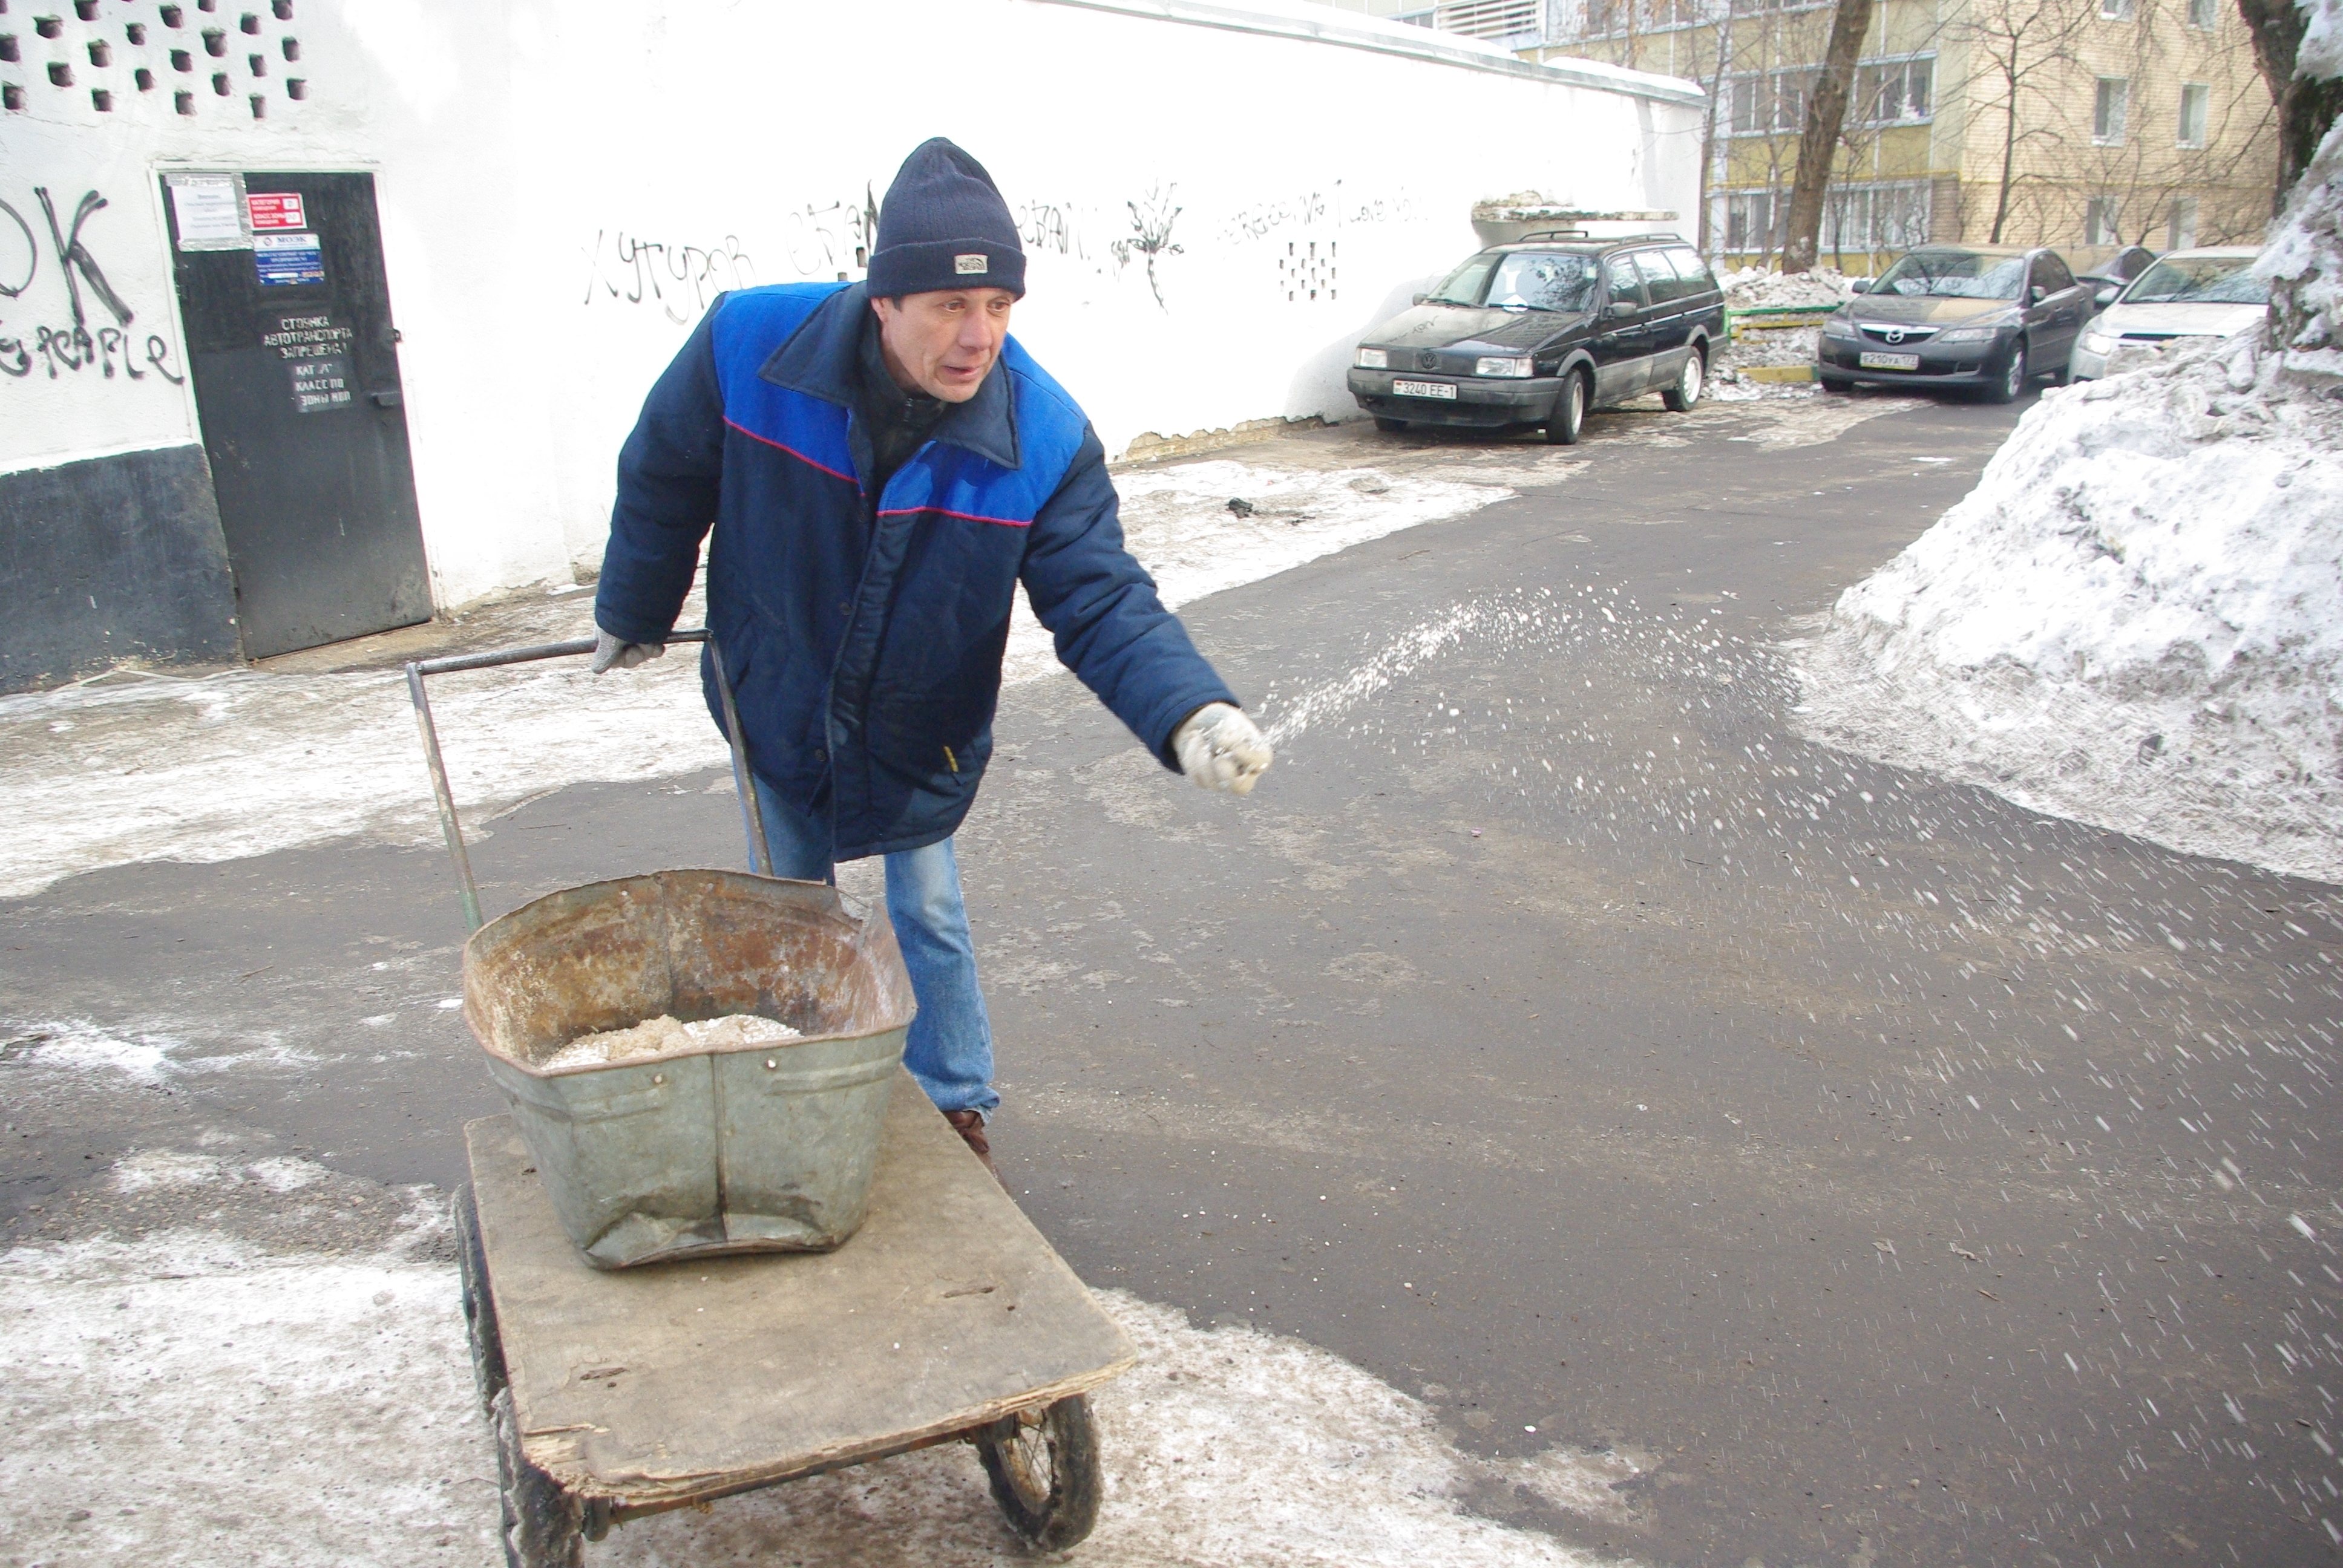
[1389,426]
[1690,382]
[1044,1469]
[2011,384]
[1569,411]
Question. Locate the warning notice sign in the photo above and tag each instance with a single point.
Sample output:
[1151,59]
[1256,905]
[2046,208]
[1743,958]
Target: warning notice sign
[275,210]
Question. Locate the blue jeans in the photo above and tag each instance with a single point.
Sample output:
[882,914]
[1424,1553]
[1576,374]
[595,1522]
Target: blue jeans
[949,1050]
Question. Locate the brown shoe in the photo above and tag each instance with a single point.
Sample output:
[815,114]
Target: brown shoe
[970,1125]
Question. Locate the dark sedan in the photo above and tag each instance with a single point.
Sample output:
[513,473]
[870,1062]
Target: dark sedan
[1991,318]
[1539,332]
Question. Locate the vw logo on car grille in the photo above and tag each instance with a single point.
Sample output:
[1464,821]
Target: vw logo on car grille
[1425,360]
[1893,334]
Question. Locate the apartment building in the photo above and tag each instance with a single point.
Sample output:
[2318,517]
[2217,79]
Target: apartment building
[2066,122]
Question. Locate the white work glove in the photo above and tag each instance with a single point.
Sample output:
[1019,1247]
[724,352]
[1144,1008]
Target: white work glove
[1221,749]
[609,650]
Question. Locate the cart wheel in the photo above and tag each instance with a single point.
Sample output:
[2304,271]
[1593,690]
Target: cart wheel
[1044,1469]
[479,1307]
[542,1523]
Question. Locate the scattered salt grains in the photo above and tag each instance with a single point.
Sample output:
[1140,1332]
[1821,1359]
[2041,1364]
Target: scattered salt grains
[660,1035]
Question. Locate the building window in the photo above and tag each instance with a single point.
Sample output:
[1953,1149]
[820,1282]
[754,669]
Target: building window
[1898,92]
[1489,19]
[1858,220]
[2099,222]
[1769,104]
[2108,111]
[2205,15]
[2196,107]
[2114,10]
[1749,220]
[2181,233]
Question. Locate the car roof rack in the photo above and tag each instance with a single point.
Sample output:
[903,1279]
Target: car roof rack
[1552,234]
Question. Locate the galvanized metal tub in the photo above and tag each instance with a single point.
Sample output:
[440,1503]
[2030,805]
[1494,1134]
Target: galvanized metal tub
[752,1148]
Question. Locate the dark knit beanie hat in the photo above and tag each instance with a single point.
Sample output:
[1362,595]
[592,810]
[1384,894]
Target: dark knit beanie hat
[944,226]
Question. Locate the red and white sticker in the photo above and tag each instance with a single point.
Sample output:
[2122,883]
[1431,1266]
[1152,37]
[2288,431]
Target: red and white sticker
[275,210]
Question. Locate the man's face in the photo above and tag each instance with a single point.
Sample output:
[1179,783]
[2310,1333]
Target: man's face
[944,343]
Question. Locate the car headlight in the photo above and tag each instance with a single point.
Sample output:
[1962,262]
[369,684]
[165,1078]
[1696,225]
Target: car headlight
[1837,326]
[1373,359]
[1986,333]
[1494,365]
[2099,343]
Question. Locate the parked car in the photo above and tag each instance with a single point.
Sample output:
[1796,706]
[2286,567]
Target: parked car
[1987,317]
[2107,270]
[2207,293]
[1540,331]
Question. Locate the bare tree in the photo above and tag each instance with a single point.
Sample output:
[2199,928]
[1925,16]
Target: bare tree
[2017,44]
[2305,107]
[1818,146]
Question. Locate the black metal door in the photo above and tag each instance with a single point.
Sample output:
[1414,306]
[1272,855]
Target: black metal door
[297,383]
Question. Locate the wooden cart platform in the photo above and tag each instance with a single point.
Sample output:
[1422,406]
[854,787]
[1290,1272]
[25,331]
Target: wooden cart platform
[947,1316]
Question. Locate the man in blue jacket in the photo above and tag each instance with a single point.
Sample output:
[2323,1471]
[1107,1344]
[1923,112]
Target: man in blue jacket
[883,465]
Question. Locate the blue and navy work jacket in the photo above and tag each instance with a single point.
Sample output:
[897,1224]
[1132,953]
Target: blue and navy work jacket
[862,634]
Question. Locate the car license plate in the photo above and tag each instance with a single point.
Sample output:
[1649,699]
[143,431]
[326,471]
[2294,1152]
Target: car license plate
[1438,389]
[1888,361]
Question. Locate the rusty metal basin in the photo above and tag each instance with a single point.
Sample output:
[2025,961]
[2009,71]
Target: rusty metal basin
[688,1153]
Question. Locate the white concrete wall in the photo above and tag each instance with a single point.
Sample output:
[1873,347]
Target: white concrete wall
[566,184]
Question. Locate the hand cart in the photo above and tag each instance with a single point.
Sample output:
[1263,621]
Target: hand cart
[615,1395]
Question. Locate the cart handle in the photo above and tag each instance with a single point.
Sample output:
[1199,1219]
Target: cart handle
[760,855]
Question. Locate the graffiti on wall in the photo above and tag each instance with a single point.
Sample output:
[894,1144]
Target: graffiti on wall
[1151,236]
[629,269]
[81,338]
[831,240]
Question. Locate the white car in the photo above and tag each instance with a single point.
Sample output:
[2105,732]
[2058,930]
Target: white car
[2208,292]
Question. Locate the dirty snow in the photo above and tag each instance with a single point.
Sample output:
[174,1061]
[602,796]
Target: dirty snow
[147,767]
[1761,288]
[2304,259]
[2135,620]
[193,1399]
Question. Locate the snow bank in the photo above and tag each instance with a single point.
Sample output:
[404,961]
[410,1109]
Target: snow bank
[2304,259]
[2135,620]
[1757,289]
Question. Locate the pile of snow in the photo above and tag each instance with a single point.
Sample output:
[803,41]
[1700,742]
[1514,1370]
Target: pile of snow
[2135,620]
[2304,259]
[1760,288]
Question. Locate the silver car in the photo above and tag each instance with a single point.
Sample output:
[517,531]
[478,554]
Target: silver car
[2207,293]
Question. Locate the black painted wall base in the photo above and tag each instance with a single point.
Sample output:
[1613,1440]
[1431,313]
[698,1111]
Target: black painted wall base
[108,560]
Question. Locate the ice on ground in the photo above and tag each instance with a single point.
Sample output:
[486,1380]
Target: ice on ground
[245,763]
[191,1400]
[657,1036]
[2135,620]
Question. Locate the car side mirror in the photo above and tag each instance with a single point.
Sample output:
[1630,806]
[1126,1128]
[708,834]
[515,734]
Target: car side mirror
[1860,286]
[2105,295]
[1619,309]
[2037,294]
[1418,299]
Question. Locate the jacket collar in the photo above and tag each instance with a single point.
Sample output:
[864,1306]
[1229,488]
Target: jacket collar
[820,360]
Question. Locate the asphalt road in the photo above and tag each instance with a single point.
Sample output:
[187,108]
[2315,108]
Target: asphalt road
[1898,1175]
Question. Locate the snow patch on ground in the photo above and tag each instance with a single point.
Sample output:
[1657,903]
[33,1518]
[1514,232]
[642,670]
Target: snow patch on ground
[2304,259]
[1761,288]
[190,1399]
[2135,620]
[154,767]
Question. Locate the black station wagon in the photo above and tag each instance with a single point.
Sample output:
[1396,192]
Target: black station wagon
[1538,331]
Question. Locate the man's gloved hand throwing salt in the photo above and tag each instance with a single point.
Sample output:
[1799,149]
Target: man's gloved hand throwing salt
[1220,749]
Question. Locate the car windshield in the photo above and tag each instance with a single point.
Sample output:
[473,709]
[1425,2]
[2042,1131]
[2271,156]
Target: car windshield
[2200,281]
[1955,275]
[1520,280]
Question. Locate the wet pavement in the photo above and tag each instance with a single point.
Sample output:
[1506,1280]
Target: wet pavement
[1893,1174]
